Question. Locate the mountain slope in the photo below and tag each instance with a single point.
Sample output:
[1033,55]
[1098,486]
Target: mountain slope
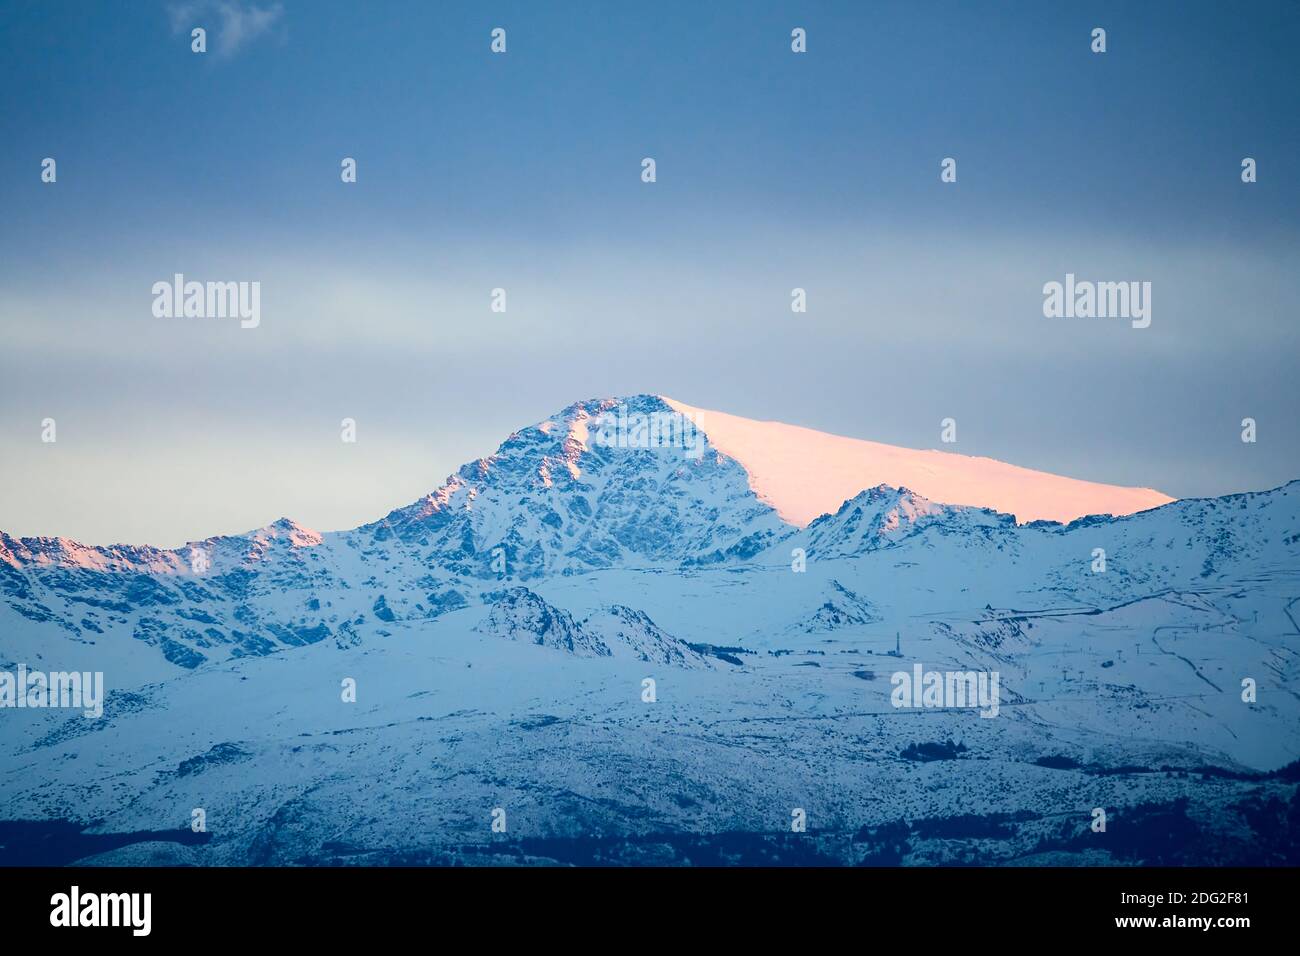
[804,473]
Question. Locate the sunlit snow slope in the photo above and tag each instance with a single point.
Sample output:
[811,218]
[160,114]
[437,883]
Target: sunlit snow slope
[804,473]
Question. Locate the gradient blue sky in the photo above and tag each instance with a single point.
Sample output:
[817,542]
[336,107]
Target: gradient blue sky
[522,171]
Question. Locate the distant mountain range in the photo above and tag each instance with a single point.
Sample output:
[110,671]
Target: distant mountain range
[767,581]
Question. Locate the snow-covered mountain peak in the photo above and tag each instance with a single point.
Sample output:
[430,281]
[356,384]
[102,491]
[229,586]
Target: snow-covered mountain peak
[873,518]
[603,483]
[284,531]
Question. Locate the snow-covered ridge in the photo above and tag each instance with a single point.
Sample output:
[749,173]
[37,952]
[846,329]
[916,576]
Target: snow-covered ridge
[553,499]
[804,473]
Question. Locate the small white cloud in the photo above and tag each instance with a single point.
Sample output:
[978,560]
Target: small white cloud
[182,15]
[236,24]
[243,24]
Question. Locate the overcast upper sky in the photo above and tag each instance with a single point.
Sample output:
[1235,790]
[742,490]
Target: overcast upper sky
[523,171]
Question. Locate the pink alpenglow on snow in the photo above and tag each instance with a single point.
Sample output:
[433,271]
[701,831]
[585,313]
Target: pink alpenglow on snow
[804,473]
